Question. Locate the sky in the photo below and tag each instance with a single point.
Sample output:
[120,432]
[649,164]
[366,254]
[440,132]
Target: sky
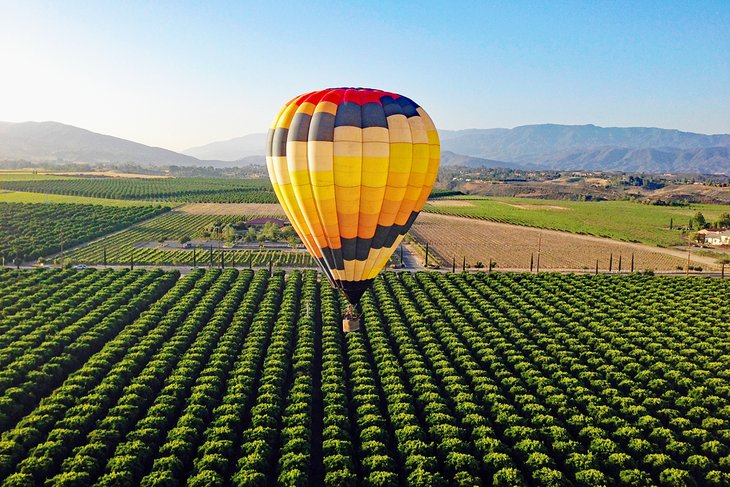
[183,74]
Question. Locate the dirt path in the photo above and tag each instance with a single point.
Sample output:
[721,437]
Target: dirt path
[259,209]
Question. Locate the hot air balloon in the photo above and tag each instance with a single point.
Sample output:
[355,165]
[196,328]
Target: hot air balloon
[352,168]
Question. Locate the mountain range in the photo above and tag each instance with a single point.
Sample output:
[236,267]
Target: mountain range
[53,141]
[590,147]
[547,146]
[550,146]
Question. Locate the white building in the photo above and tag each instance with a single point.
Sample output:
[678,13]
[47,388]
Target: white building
[718,238]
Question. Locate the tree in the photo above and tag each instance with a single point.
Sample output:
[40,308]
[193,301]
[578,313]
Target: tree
[250,235]
[724,221]
[229,233]
[699,219]
[269,232]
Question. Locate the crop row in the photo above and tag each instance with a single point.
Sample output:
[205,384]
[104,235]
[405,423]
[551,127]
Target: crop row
[215,190]
[31,230]
[140,245]
[241,378]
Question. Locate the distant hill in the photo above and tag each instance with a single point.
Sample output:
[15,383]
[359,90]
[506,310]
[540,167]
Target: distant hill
[549,146]
[553,146]
[53,141]
[231,150]
[449,158]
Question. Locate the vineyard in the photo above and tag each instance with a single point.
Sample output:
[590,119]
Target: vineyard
[620,220]
[214,190]
[28,231]
[129,246]
[222,377]
[517,247]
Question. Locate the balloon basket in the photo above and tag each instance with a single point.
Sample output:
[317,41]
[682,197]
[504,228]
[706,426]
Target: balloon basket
[352,324]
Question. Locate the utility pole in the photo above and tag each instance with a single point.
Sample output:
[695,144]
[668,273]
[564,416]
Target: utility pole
[453,265]
[632,262]
[596,266]
[463,265]
[131,260]
[104,256]
[539,245]
[532,259]
[195,257]
[426,265]
[490,265]
[610,263]
[619,263]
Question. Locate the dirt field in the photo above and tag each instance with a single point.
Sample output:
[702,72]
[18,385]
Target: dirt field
[511,246]
[109,174]
[232,209]
[453,203]
[539,207]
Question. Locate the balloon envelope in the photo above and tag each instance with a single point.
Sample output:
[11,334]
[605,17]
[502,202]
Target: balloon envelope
[352,168]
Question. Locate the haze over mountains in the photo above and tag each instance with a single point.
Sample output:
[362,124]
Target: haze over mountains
[551,146]
[545,146]
[53,141]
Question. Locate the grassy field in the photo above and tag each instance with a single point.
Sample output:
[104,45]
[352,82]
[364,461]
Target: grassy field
[24,175]
[242,378]
[620,220]
[25,197]
[221,190]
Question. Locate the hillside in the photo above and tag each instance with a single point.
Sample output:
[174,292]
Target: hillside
[551,146]
[449,158]
[231,150]
[53,141]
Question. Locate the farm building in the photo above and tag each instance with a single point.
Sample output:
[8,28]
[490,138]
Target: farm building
[258,222]
[720,237]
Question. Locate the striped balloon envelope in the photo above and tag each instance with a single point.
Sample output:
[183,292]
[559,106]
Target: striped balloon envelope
[352,168]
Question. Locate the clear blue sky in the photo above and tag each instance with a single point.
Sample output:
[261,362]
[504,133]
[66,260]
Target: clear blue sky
[181,74]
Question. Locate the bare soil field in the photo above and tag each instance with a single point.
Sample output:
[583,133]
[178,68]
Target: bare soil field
[539,207]
[512,246]
[449,202]
[109,174]
[271,209]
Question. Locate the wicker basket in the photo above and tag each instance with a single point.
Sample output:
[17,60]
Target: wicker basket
[353,324]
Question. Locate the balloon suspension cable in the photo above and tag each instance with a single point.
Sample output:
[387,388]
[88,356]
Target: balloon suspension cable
[351,313]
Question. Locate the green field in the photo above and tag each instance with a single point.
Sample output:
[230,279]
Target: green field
[621,220]
[24,175]
[213,190]
[26,197]
[32,230]
[238,378]
[126,246]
